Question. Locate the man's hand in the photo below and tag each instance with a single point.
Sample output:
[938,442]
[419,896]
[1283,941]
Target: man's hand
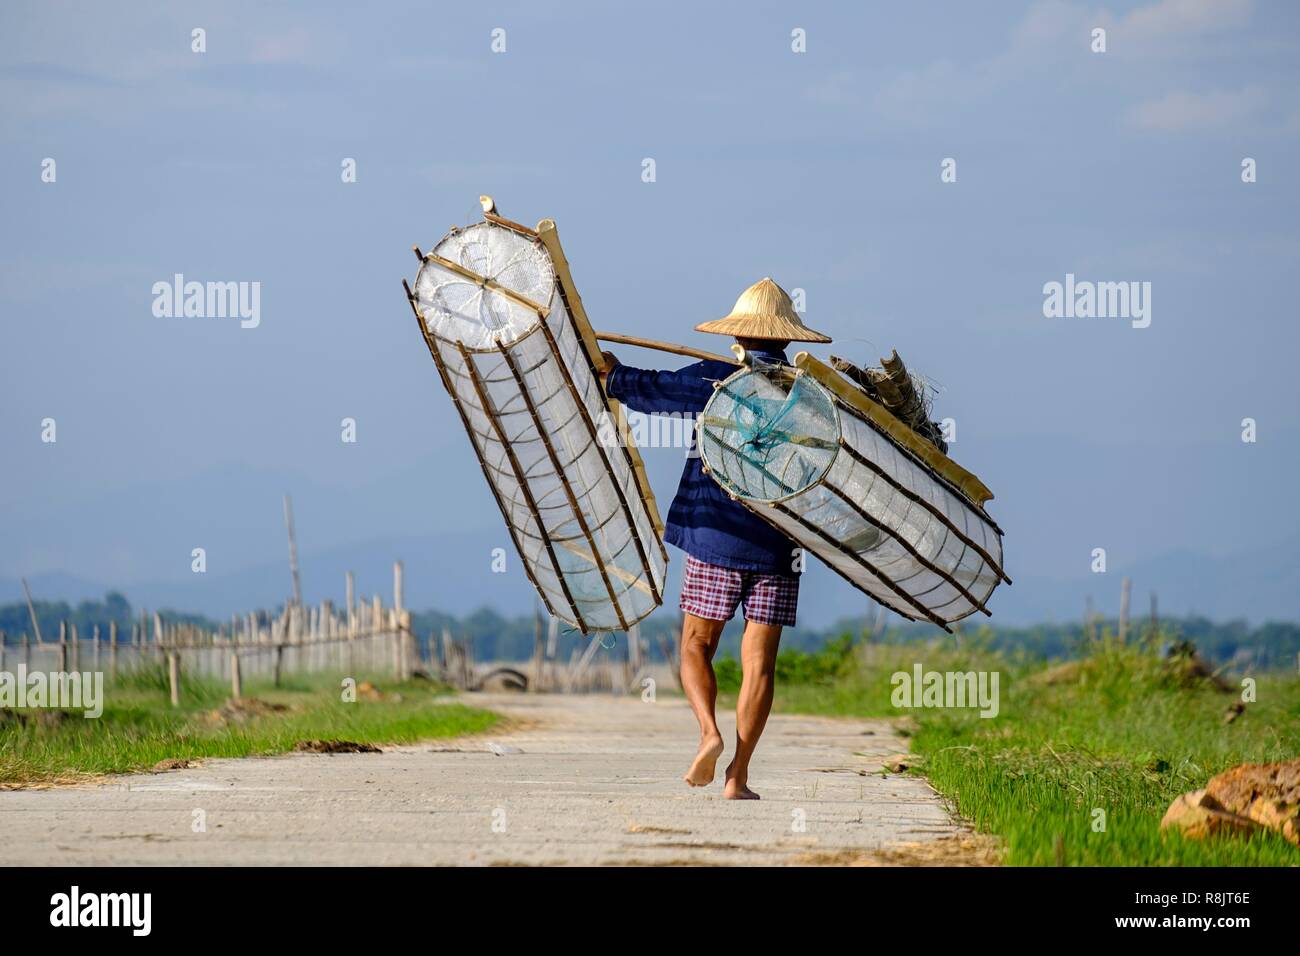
[609,361]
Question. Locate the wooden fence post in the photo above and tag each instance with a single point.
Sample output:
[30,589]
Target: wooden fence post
[236,683]
[1124,588]
[671,658]
[397,586]
[395,638]
[174,677]
[633,662]
[376,627]
[539,652]
[399,634]
[350,586]
[409,651]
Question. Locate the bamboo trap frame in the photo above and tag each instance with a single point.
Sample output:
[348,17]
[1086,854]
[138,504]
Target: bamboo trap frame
[851,483]
[499,313]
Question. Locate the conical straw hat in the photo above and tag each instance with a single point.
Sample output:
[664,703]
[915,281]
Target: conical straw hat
[764,311]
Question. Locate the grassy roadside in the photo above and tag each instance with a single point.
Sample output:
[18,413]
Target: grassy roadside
[1121,730]
[139,728]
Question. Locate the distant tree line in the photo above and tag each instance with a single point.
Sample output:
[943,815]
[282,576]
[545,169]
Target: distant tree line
[15,620]
[496,637]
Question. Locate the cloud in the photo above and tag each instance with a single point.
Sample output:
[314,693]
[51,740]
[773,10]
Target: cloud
[1040,51]
[293,46]
[943,86]
[1181,111]
[1168,19]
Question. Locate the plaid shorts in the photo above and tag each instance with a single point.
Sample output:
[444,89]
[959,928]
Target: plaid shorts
[714,593]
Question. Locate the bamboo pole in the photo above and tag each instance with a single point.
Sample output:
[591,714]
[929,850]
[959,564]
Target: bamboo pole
[620,339]
[293,550]
[31,610]
[518,227]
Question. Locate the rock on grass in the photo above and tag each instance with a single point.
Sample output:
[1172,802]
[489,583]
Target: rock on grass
[1242,801]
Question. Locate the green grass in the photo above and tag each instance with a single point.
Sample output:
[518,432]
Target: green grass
[1125,734]
[138,727]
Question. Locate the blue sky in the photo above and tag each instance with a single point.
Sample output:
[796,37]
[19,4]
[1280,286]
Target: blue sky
[821,169]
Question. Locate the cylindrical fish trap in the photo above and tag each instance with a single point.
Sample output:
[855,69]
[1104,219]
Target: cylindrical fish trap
[506,328]
[849,482]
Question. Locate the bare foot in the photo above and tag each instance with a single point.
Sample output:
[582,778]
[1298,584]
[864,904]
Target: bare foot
[736,788]
[701,772]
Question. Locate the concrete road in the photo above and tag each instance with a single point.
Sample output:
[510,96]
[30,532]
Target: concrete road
[575,780]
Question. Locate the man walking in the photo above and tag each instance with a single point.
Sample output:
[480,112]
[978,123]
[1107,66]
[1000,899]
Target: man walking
[733,558]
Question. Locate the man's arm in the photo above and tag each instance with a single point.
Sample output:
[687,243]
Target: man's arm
[656,392]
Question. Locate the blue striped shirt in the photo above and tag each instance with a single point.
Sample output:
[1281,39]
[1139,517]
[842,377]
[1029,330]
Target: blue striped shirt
[703,521]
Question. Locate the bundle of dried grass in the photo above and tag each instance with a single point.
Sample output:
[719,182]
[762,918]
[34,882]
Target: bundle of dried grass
[904,393]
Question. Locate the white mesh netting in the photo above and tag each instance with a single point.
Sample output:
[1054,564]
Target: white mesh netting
[822,473]
[460,309]
[534,410]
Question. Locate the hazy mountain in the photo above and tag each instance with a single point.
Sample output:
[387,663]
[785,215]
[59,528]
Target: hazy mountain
[452,572]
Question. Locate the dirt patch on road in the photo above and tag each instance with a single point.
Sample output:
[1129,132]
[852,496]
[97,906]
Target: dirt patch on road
[334,747]
[967,849]
[52,782]
[173,763]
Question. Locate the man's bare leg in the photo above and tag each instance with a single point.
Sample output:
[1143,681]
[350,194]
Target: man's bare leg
[699,643]
[758,663]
